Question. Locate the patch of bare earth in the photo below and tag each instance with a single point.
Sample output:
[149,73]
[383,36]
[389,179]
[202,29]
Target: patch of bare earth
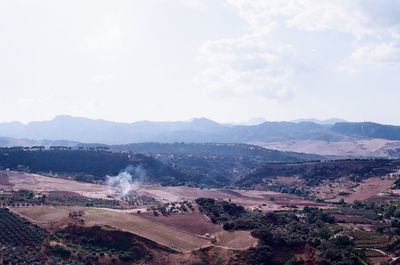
[267,200]
[40,183]
[330,190]
[251,199]
[47,216]
[346,147]
[235,239]
[192,222]
[158,232]
[367,189]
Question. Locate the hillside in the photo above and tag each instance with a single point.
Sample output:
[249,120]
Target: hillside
[367,130]
[88,165]
[217,149]
[172,164]
[216,163]
[314,173]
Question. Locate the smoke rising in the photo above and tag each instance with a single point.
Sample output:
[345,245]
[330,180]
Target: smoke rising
[129,179]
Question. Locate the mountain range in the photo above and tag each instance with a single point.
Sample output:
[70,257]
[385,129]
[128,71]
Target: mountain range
[84,130]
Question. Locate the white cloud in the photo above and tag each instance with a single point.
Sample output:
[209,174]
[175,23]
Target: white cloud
[247,66]
[351,16]
[260,63]
[383,52]
[374,54]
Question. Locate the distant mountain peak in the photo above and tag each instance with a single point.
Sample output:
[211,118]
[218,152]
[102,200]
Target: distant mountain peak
[331,121]
[203,120]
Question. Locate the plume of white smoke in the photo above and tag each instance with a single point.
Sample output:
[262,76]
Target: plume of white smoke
[128,180]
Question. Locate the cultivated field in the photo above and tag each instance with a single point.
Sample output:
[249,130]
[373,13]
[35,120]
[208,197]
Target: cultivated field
[367,189]
[235,240]
[191,222]
[267,200]
[39,183]
[183,233]
[162,234]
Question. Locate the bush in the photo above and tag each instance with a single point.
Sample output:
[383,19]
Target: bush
[133,255]
[229,226]
[61,251]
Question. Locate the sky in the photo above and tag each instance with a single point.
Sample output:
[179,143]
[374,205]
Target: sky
[227,60]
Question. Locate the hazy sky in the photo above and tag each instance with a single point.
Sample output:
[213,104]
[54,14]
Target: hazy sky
[228,60]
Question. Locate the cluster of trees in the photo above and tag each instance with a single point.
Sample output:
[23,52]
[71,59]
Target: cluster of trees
[25,255]
[89,165]
[29,198]
[290,189]
[221,211]
[174,207]
[284,235]
[94,243]
[397,184]
[21,197]
[216,149]
[201,165]
[74,199]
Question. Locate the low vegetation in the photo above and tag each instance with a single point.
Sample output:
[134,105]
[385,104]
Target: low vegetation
[282,236]
[95,242]
[55,198]
[213,164]
[20,240]
[313,173]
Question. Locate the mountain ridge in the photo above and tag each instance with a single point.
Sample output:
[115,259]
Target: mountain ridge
[85,130]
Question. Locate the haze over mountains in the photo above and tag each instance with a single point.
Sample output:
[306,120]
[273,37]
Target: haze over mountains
[197,130]
[86,130]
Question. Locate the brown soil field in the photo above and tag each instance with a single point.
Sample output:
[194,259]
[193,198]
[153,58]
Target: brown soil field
[367,189]
[235,240]
[157,232]
[371,189]
[4,179]
[366,239]
[191,222]
[47,216]
[42,214]
[379,260]
[251,199]
[173,233]
[341,218]
[329,190]
[41,183]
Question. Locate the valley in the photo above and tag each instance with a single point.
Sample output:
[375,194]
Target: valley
[194,219]
[199,132]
